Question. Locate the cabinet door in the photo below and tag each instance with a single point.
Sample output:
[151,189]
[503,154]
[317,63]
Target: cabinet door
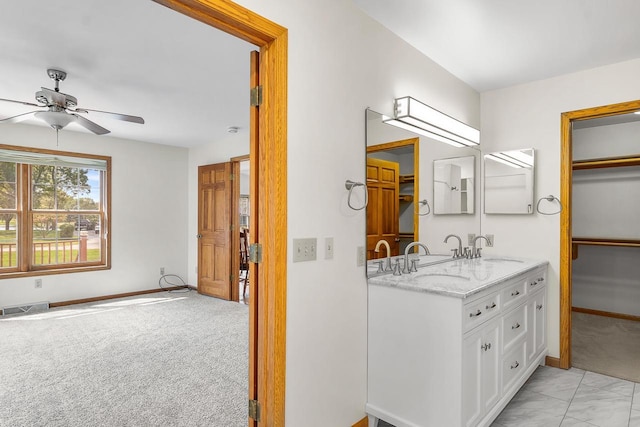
[537,337]
[480,372]
[491,365]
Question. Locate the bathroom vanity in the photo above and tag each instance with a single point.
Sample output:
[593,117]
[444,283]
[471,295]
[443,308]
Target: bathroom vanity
[451,344]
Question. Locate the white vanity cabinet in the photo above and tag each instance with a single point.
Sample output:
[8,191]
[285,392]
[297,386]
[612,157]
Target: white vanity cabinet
[453,359]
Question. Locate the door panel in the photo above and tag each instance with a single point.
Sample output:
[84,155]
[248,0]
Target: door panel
[214,230]
[383,181]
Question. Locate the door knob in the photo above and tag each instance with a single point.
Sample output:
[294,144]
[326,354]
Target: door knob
[199,236]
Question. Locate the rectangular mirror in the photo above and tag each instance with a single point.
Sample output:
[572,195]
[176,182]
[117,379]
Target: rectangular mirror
[508,182]
[453,185]
[399,184]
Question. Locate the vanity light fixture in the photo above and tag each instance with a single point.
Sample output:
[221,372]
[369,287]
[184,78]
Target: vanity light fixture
[515,159]
[413,115]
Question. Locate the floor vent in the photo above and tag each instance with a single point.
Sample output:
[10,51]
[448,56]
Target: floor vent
[27,308]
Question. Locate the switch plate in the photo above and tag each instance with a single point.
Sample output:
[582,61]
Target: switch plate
[328,248]
[489,240]
[38,283]
[162,271]
[360,256]
[471,237]
[305,249]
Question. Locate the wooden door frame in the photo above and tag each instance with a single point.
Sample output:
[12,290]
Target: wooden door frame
[235,225]
[269,173]
[416,173]
[566,184]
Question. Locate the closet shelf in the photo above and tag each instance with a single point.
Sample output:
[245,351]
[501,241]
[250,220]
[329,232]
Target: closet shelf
[406,235]
[405,179]
[611,162]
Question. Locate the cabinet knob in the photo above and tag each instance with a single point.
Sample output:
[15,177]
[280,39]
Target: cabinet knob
[515,294]
[539,306]
[477,313]
[516,365]
[516,326]
[493,305]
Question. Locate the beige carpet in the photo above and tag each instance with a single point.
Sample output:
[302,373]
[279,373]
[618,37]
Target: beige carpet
[606,345]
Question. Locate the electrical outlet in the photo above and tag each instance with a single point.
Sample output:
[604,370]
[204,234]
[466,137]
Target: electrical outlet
[38,283]
[489,240]
[328,248]
[361,256]
[470,239]
[304,249]
[162,271]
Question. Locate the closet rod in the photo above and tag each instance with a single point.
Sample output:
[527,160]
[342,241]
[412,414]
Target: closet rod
[612,162]
[605,242]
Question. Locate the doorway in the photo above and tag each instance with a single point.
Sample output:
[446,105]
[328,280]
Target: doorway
[572,243]
[268,153]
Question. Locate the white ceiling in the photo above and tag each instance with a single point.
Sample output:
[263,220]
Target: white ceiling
[189,82]
[492,44]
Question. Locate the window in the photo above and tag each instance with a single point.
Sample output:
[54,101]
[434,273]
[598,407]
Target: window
[54,211]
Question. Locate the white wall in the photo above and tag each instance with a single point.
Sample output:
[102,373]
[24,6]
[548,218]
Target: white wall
[340,62]
[526,116]
[148,217]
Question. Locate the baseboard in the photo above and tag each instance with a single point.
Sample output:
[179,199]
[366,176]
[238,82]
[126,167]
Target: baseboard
[362,423]
[106,297]
[606,314]
[554,362]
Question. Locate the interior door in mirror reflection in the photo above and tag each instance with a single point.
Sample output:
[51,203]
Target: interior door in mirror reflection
[382,210]
[508,182]
[453,188]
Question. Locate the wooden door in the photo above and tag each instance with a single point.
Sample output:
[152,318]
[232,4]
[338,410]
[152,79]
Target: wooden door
[382,210]
[214,230]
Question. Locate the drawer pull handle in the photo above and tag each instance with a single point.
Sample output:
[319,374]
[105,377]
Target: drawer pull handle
[486,346]
[515,366]
[539,306]
[515,294]
[541,279]
[516,326]
[477,313]
[534,283]
[493,305]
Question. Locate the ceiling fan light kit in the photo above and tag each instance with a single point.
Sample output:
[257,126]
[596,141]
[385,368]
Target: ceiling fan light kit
[61,109]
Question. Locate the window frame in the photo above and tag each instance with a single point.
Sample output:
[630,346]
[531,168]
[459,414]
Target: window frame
[26,258]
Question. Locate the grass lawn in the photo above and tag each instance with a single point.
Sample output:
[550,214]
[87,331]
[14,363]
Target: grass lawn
[92,255]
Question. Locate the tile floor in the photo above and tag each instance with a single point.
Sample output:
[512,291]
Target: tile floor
[571,398]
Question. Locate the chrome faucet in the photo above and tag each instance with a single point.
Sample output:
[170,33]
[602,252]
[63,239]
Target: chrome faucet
[457,253]
[386,245]
[407,269]
[475,251]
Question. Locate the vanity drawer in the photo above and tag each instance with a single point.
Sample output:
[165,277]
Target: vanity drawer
[536,280]
[514,293]
[480,310]
[514,327]
[513,364]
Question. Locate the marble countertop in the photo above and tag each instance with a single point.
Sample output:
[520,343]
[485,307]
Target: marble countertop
[459,278]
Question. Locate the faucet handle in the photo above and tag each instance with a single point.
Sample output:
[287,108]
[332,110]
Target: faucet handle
[466,253]
[389,266]
[414,265]
[455,253]
[380,268]
[478,254]
[396,269]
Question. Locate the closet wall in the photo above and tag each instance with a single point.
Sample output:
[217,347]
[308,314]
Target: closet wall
[606,216]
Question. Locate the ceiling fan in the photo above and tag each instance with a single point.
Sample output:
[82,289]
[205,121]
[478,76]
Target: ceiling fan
[62,109]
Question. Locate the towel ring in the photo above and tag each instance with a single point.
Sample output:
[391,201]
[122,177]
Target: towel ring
[549,198]
[350,185]
[422,203]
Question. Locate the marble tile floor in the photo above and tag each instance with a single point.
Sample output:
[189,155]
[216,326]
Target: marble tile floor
[571,398]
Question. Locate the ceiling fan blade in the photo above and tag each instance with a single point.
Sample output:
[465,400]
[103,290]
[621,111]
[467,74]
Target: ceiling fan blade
[21,102]
[125,117]
[19,117]
[88,124]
